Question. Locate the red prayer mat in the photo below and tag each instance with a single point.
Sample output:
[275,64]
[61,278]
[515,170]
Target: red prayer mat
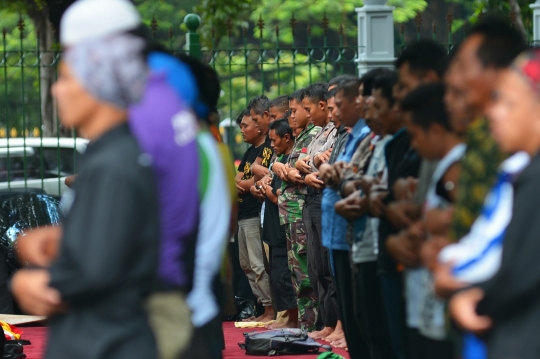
[233,336]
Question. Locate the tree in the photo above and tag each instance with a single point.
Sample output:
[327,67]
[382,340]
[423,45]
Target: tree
[519,11]
[45,16]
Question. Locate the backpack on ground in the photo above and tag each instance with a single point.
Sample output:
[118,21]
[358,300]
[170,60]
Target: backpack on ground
[281,341]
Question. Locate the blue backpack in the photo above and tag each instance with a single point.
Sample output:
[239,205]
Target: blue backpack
[281,342]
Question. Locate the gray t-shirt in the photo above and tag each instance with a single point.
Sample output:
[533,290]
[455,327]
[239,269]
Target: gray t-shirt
[364,247]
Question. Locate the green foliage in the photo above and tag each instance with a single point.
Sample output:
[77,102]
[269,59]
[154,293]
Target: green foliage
[168,17]
[216,15]
[496,7]
[339,13]
[243,77]
[19,87]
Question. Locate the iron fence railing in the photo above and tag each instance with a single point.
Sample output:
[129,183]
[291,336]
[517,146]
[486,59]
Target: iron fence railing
[269,60]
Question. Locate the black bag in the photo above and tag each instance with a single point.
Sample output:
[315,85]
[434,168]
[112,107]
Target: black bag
[13,349]
[281,341]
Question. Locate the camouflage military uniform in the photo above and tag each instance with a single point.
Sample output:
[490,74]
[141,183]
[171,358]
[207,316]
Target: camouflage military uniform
[291,203]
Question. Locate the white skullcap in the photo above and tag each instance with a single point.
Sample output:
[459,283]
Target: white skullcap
[91,19]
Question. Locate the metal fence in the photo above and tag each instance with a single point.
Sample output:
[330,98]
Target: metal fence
[249,63]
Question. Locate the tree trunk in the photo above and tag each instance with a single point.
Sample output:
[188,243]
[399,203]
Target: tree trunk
[47,70]
[514,6]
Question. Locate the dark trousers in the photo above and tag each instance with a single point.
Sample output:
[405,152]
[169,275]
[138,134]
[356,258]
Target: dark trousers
[394,304]
[354,334]
[421,347]
[369,310]
[284,297]
[6,301]
[319,271]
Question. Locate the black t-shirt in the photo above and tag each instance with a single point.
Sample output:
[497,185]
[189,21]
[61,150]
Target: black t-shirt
[266,152]
[402,162]
[273,233]
[248,206]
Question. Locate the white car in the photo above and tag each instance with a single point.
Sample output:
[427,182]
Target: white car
[39,163]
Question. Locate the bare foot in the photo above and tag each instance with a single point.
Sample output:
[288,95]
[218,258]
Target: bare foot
[340,344]
[266,318]
[276,325]
[321,333]
[338,334]
[250,319]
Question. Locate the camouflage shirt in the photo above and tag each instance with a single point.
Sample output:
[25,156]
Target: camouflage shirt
[292,197]
[478,173]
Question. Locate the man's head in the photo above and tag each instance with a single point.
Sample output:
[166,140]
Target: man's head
[99,79]
[334,83]
[278,107]
[455,100]
[259,110]
[365,90]
[428,123]
[314,103]
[383,103]
[345,100]
[208,86]
[248,128]
[281,135]
[514,114]
[371,116]
[491,46]
[420,63]
[333,111]
[299,115]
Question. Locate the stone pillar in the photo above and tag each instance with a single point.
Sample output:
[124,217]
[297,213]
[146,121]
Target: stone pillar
[536,22]
[375,35]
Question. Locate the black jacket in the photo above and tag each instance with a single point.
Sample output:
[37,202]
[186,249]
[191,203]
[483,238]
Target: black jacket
[402,162]
[512,296]
[108,256]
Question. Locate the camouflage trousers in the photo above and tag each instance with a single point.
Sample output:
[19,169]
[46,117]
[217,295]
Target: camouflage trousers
[305,295]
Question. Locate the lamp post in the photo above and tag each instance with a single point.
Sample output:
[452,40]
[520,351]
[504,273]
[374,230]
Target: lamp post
[375,35]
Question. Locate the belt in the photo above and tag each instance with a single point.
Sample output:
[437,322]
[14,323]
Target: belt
[312,192]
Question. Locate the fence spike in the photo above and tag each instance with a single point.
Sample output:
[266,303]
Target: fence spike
[229,26]
[449,20]
[21,25]
[341,29]
[170,32]
[418,21]
[309,30]
[260,25]
[277,30]
[402,29]
[325,23]
[513,17]
[4,32]
[434,27]
[293,24]
[154,25]
[213,32]
[244,31]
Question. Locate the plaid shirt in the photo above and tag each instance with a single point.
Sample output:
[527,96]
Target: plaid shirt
[324,136]
[292,198]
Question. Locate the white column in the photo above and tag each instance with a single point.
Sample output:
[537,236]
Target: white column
[375,35]
[536,21]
